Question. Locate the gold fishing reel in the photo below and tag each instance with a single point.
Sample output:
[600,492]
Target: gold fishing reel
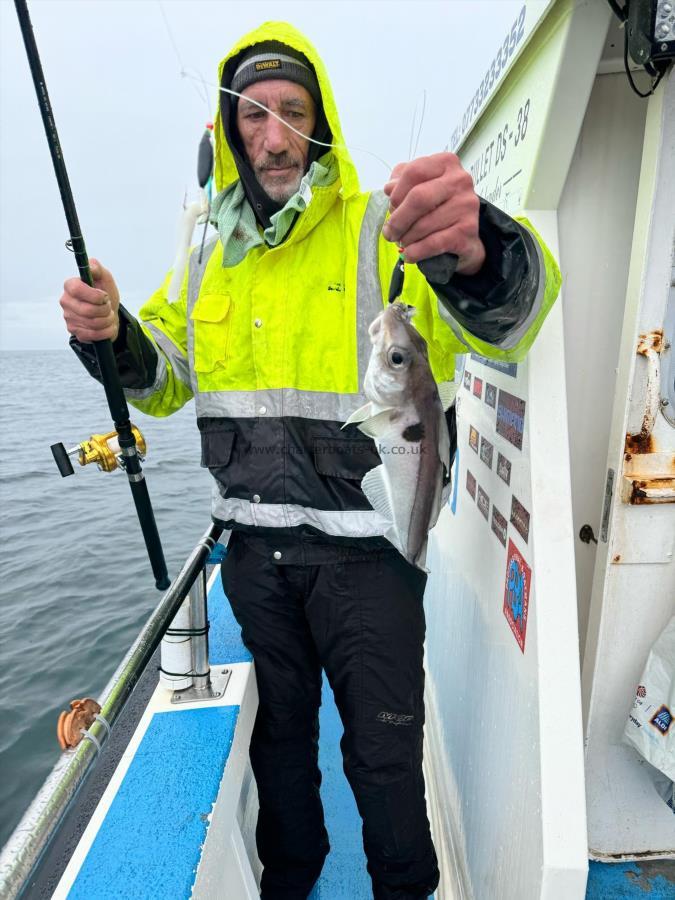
[102,449]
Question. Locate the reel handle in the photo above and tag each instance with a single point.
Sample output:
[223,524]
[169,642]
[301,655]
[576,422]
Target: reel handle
[62,460]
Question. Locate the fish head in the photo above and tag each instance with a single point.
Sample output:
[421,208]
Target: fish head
[399,351]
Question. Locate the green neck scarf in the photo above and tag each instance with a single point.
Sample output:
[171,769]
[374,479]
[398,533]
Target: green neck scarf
[235,221]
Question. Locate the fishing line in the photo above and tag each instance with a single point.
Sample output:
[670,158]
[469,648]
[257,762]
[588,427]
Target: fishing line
[203,94]
[185,73]
[412,150]
[412,131]
[225,90]
[419,130]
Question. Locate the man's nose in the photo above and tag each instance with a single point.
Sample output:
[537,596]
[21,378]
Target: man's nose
[276,136]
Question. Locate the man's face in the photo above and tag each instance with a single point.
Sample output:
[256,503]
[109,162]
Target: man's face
[277,155]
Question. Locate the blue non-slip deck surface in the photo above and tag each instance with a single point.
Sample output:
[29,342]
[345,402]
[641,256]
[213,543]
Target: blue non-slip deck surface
[653,880]
[344,875]
[225,644]
[149,844]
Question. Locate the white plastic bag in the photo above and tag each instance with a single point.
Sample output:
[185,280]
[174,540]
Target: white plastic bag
[650,727]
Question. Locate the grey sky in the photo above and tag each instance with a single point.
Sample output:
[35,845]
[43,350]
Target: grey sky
[130,125]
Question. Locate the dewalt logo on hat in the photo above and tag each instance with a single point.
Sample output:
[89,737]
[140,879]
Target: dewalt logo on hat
[268,64]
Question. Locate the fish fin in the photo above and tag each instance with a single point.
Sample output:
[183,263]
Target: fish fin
[375,425]
[370,411]
[360,414]
[374,486]
[447,391]
[377,408]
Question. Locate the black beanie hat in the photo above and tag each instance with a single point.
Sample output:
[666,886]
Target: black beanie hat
[272,59]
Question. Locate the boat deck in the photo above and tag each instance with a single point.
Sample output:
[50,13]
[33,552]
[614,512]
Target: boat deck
[150,833]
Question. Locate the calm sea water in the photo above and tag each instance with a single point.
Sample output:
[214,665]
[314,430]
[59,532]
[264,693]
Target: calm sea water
[75,583]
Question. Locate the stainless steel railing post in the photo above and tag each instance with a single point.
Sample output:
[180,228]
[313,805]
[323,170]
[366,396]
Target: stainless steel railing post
[203,687]
[201,679]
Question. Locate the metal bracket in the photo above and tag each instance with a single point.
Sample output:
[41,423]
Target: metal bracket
[214,690]
[607,505]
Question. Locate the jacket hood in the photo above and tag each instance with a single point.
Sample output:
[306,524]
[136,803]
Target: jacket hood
[226,172]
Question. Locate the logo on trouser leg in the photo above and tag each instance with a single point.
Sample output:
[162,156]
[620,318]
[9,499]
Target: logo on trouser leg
[394,718]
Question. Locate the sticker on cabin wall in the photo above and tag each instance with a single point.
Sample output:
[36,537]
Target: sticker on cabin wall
[490,394]
[477,387]
[486,452]
[511,418]
[471,484]
[505,367]
[504,468]
[517,593]
[520,518]
[467,379]
[473,438]
[499,525]
[483,502]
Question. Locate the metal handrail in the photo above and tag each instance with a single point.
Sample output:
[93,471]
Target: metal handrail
[40,821]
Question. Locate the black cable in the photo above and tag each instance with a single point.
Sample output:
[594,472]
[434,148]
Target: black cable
[620,12]
[184,674]
[187,632]
[656,81]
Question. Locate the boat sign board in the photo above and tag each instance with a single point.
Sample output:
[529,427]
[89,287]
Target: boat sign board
[517,152]
[502,60]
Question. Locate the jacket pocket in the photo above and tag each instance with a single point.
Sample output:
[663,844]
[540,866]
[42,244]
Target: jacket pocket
[217,444]
[212,323]
[341,458]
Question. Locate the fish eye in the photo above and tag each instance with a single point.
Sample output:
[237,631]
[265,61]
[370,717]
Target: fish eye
[397,357]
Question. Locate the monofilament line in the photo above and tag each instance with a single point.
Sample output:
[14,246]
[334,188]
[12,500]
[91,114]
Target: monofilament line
[225,90]
[204,94]
[413,148]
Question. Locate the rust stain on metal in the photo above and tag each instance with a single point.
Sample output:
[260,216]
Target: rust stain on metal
[639,443]
[650,340]
[653,490]
[649,346]
[616,558]
[658,857]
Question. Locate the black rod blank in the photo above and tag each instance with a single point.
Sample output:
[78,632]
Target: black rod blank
[103,349]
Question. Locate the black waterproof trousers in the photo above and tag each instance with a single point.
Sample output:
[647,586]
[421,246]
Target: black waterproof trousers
[360,617]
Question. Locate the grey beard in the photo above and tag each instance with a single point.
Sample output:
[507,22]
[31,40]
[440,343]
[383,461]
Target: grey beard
[282,193]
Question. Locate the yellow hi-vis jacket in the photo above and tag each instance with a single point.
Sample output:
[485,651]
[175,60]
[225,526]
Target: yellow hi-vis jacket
[274,350]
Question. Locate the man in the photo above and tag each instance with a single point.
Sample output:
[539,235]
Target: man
[269,335]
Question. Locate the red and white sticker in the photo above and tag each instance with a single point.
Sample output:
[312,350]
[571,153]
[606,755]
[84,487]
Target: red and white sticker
[517,593]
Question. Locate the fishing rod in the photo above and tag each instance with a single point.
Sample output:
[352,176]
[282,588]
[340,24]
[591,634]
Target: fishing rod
[125,448]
